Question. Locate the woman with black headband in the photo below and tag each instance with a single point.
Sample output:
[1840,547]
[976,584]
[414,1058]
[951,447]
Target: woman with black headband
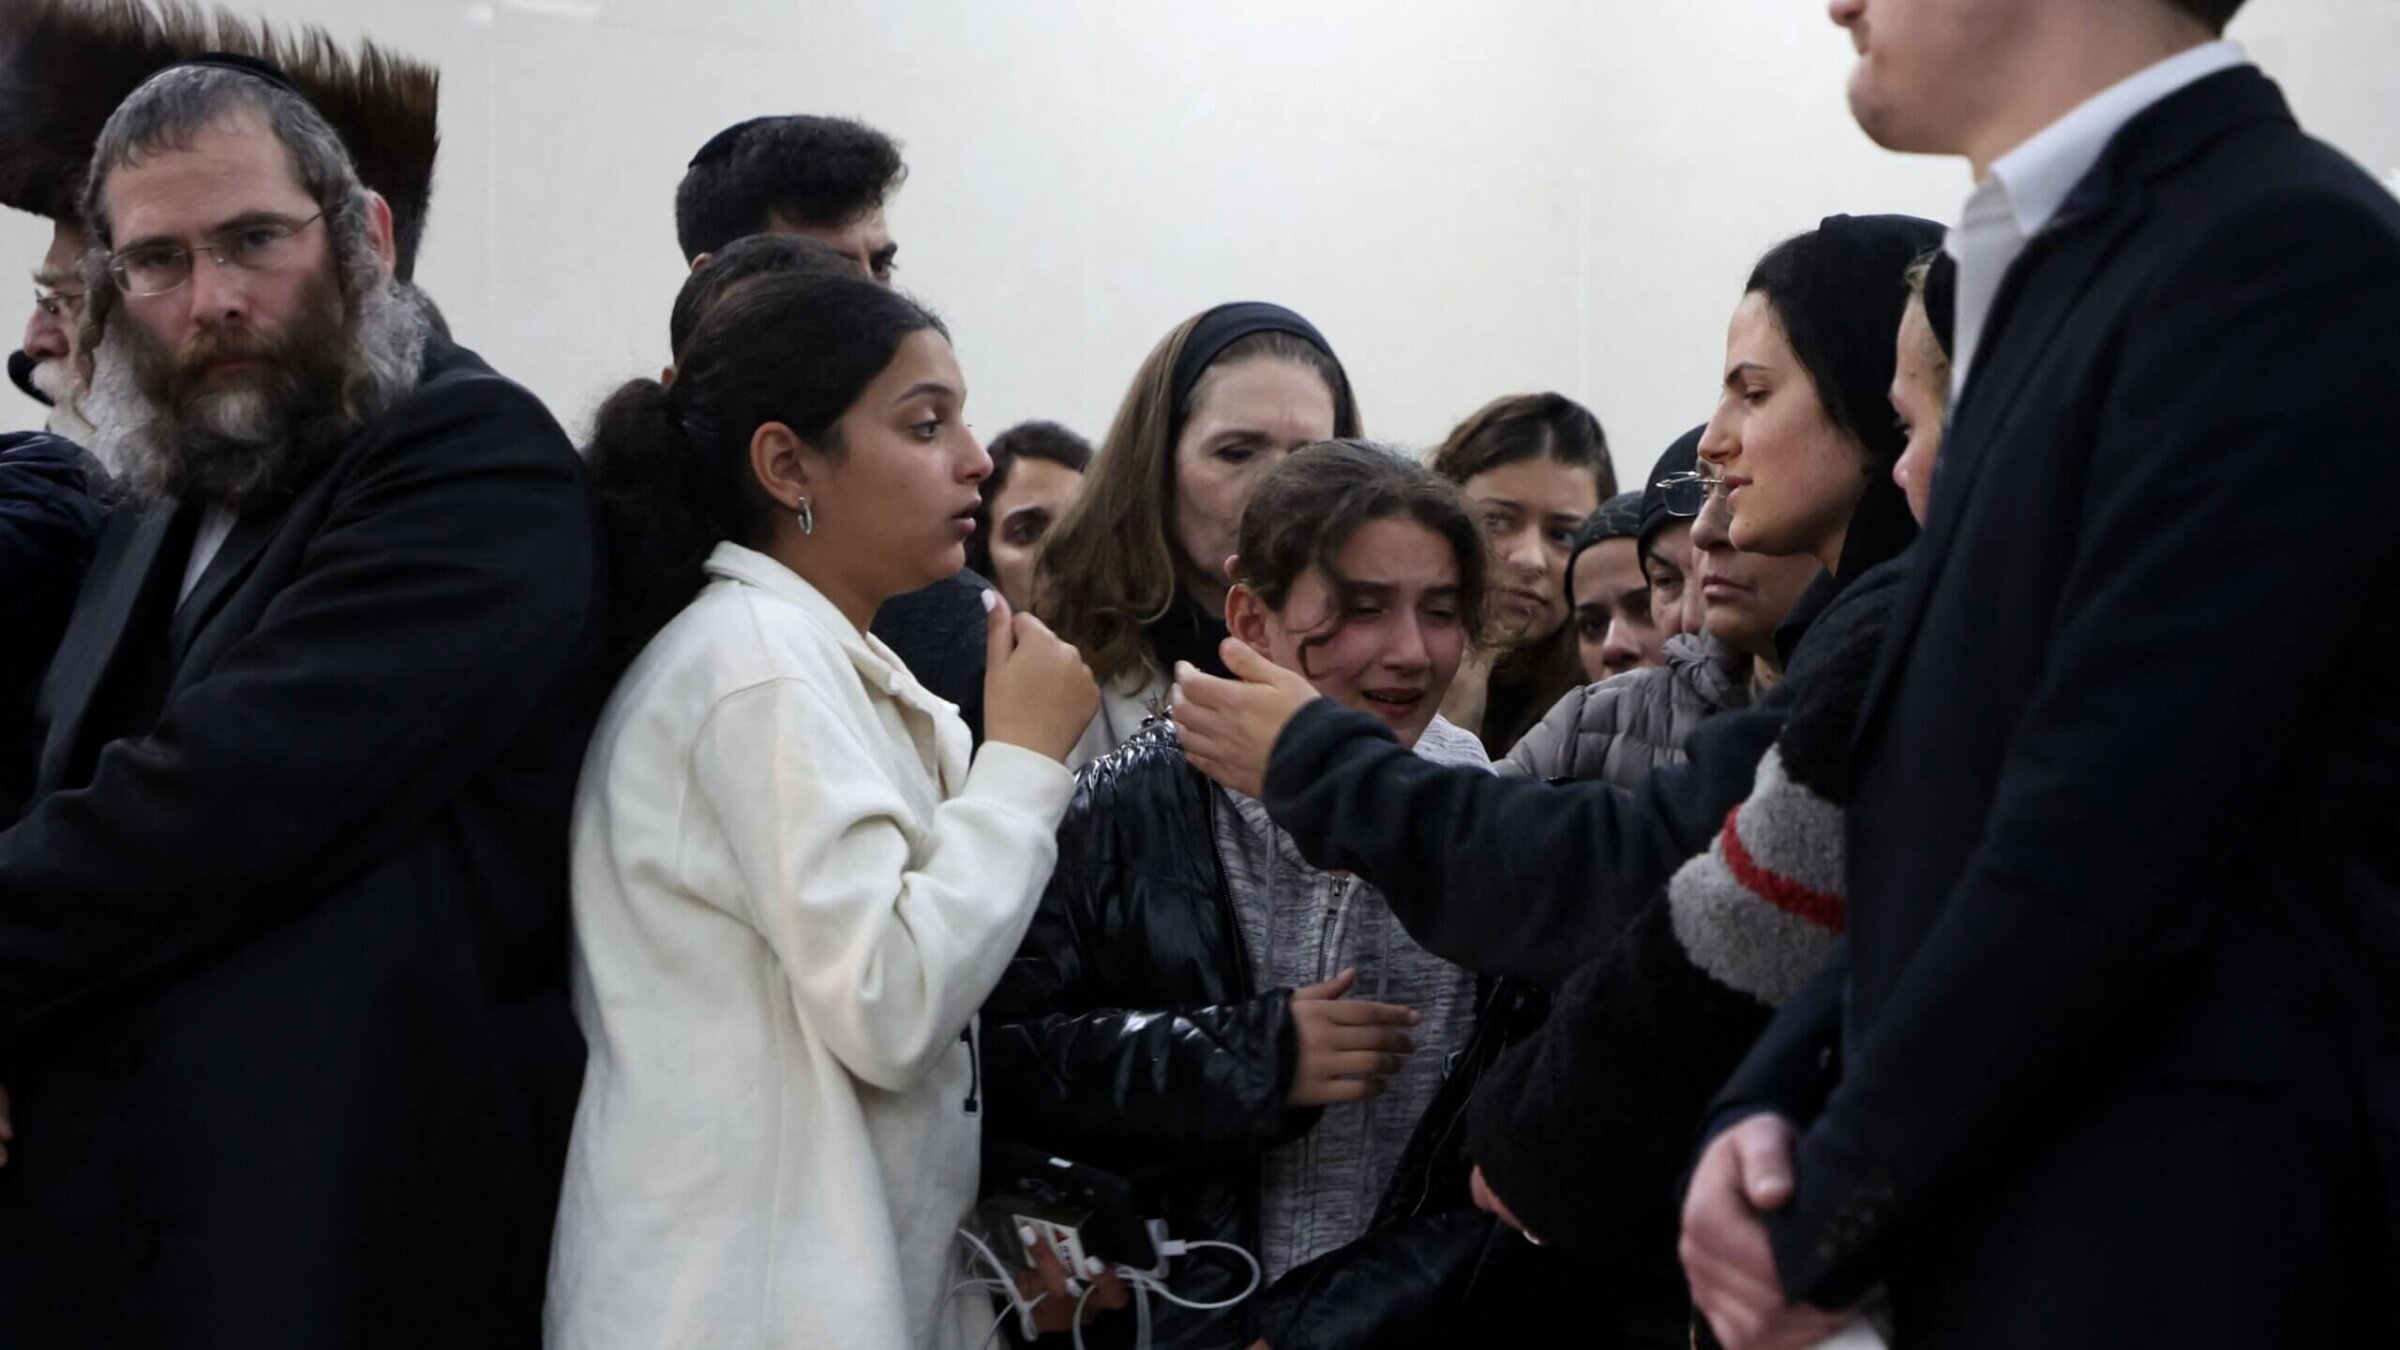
[1134,575]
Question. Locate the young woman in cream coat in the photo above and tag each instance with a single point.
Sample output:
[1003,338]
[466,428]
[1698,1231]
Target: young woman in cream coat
[792,888]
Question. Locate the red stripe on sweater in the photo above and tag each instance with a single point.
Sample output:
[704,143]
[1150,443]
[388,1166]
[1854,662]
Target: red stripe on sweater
[1817,907]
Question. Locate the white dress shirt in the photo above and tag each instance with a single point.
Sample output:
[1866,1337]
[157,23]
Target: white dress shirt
[216,526]
[792,892]
[2026,187]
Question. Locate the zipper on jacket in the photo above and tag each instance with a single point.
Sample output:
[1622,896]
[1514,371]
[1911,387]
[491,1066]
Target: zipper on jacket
[1245,984]
[1330,933]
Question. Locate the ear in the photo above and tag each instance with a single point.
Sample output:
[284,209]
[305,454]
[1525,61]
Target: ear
[666,377]
[1246,618]
[780,460]
[701,261]
[379,231]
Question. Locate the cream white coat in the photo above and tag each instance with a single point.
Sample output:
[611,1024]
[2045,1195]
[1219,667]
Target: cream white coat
[791,894]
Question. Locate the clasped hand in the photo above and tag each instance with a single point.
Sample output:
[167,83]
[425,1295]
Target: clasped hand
[1746,1172]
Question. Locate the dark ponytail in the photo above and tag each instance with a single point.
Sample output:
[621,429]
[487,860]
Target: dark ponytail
[672,466]
[659,509]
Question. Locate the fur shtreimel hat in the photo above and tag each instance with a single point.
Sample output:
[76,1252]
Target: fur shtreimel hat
[65,65]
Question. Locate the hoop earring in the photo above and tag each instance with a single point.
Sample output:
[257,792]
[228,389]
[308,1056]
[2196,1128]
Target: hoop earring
[808,517]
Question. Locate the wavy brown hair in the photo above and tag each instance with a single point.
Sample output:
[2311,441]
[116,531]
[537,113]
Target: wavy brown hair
[1109,566]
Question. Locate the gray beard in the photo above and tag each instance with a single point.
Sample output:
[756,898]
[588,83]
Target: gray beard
[56,379]
[256,450]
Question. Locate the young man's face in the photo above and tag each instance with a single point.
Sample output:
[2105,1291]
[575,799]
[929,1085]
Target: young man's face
[1930,73]
[866,238]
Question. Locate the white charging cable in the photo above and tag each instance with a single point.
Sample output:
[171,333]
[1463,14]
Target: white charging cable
[1144,1283]
[1170,1250]
[1004,1284]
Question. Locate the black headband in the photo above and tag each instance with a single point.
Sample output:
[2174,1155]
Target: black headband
[1226,325]
[721,144]
[247,65]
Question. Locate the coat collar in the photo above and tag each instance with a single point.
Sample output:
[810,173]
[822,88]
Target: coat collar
[877,664]
[217,581]
[2037,177]
[121,572]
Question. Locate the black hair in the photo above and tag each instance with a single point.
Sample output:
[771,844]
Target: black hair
[1306,509]
[1837,293]
[2215,13]
[1527,426]
[671,467]
[816,171]
[750,256]
[1046,441]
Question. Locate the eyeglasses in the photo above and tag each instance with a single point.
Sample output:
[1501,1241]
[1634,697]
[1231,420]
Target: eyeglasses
[1686,493]
[60,306]
[259,246]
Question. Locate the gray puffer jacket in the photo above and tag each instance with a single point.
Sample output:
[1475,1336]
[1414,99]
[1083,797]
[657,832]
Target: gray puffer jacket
[1620,729]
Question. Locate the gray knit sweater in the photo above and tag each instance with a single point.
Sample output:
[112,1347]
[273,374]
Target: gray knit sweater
[1303,926]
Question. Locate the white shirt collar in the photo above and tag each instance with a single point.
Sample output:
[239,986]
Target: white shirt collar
[2037,176]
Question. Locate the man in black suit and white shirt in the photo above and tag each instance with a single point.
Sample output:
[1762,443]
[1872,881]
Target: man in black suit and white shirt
[2114,1054]
[283,1014]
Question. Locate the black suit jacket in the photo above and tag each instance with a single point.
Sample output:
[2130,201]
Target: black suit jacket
[283,941]
[2119,1044]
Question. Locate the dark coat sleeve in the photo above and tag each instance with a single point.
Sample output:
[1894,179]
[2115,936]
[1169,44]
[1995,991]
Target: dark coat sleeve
[2116,816]
[1400,1287]
[48,523]
[1070,1068]
[448,592]
[1794,1064]
[1586,1130]
[1504,875]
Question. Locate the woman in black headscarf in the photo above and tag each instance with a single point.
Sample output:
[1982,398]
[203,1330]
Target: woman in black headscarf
[1574,863]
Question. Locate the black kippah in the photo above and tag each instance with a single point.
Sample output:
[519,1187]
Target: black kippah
[247,65]
[721,144]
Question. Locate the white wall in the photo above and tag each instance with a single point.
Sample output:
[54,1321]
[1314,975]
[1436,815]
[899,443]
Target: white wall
[1471,197]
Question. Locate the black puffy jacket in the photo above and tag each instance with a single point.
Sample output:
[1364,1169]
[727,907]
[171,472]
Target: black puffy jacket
[1077,1061]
